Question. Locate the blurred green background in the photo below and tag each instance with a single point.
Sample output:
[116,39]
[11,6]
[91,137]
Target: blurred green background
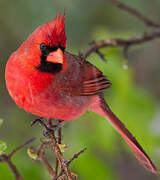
[134,95]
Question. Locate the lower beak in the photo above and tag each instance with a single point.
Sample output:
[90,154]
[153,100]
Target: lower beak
[56,56]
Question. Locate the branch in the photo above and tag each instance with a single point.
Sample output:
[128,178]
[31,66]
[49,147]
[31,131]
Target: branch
[20,147]
[41,153]
[7,158]
[55,145]
[125,43]
[55,148]
[134,12]
[59,142]
[75,156]
[122,42]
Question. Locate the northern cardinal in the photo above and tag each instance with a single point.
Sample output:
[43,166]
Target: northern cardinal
[46,80]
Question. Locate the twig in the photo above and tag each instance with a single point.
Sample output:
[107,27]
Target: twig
[48,166]
[54,145]
[7,158]
[68,162]
[20,147]
[102,57]
[134,12]
[60,175]
[41,153]
[125,43]
[59,135]
[14,169]
[59,142]
[75,156]
[122,42]
[55,148]
[56,168]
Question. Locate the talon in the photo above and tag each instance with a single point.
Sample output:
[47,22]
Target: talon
[46,133]
[57,126]
[40,122]
[48,128]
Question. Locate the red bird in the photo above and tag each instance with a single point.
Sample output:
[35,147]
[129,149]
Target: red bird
[46,80]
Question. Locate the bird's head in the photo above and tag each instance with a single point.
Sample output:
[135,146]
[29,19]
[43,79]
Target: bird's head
[44,48]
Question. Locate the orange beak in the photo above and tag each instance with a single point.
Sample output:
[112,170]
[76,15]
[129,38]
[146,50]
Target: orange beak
[56,56]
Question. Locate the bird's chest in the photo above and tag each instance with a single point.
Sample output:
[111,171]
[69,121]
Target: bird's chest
[54,104]
[48,101]
[41,95]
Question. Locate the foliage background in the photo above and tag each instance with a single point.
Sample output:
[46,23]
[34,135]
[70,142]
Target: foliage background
[134,95]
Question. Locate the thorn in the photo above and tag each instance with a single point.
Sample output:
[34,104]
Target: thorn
[67,163]
[102,57]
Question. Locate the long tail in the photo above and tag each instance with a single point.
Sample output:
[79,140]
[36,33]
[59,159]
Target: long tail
[101,107]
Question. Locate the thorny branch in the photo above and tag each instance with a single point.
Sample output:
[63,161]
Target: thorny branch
[56,149]
[59,142]
[118,42]
[41,154]
[134,12]
[20,147]
[62,170]
[7,158]
[125,43]
[75,156]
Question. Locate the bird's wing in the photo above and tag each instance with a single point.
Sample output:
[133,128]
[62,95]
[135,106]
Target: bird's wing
[83,78]
[95,85]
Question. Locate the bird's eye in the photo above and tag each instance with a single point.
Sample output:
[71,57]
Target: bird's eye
[43,47]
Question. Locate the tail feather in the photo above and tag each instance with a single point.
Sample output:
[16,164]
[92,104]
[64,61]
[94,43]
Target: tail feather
[102,108]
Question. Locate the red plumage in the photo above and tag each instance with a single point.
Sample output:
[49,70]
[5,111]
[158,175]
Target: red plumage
[55,31]
[47,81]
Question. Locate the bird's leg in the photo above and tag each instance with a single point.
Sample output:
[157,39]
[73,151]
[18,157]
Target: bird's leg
[57,126]
[47,130]
[40,121]
[49,127]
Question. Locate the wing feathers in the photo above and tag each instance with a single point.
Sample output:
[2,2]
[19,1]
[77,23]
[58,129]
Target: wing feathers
[95,85]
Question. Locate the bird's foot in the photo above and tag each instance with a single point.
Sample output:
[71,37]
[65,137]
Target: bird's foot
[56,127]
[40,121]
[47,130]
[49,127]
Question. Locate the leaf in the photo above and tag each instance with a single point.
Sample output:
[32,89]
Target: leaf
[3,147]
[32,154]
[62,147]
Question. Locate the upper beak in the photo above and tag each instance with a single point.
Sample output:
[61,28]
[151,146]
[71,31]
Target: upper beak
[56,56]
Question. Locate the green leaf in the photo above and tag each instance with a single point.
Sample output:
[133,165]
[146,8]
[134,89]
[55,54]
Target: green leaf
[3,147]
[63,147]
[32,154]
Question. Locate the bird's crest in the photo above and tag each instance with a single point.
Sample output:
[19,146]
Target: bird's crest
[55,31]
